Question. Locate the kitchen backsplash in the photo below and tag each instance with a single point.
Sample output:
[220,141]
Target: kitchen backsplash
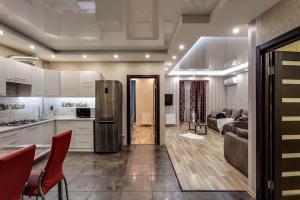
[18,108]
[67,106]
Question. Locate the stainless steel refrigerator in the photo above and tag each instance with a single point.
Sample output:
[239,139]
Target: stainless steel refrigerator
[108,114]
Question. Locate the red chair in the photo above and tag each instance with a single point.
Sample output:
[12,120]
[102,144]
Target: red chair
[15,169]
[40,183]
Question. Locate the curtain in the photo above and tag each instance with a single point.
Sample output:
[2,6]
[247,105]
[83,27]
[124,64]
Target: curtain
[181,100]
[198,100]
[132,101]
[187,110]
[193,97]
[201,101]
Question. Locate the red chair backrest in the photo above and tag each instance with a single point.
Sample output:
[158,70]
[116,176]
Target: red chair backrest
[15,169]
[53,170]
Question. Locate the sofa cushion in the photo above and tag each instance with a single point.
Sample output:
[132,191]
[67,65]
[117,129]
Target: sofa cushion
[243,133]
[227,111]
[244,113]
[212,120]
[236,113]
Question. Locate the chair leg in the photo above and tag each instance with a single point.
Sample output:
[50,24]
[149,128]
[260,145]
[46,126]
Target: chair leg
[40,186]
[66,187]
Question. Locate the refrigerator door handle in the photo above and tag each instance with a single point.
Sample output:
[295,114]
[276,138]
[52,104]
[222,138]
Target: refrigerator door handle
[106,122]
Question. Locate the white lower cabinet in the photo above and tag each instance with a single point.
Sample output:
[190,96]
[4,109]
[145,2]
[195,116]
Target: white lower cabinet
[82,137]
[11,138]
[49,132]
[33,135]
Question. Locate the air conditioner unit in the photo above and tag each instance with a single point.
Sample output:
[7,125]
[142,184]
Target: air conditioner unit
[231,81]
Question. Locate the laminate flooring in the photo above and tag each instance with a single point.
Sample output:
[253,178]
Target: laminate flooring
[200,164]
[143,135]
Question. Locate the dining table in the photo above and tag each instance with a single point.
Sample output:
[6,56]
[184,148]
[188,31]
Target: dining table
[41,152]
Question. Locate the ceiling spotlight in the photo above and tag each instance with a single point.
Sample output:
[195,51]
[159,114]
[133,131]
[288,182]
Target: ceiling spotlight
[166,69]
[52,56]
[84,56]
[169,64]
[236,30]
[32,46]
[1,32]
[174,57]
[246,69]
[181,47]
[116,56]
[147,56]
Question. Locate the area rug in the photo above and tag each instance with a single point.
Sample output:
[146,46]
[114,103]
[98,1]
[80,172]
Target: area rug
[192,136]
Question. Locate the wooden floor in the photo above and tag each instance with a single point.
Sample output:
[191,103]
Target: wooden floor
[200,164]
[143,135]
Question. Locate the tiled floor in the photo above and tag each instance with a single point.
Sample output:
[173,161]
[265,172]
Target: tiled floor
[141,172]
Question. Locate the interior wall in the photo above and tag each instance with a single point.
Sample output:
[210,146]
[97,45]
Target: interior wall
[237,95]
[281,18]
[119,71]
[215,94]
[144,100]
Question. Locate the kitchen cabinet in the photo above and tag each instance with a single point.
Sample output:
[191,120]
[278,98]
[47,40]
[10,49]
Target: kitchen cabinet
[37,89]
[49,132]
[33,135]
[82,133]
[62,126]
[18,72]
[11,138]
[2,77]
[52,83]
[87,83]
[70,84]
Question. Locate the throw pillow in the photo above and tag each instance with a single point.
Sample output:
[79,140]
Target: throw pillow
[221,115]
[243,133]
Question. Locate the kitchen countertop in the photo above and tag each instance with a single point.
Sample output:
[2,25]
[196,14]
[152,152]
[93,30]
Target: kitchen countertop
[4,129]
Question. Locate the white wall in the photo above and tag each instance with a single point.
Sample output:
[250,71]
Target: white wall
[119,71]
[215,93]
[281,18]
[144,99]
[237,95]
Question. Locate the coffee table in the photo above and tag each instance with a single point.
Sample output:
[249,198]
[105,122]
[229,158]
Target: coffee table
[198,124]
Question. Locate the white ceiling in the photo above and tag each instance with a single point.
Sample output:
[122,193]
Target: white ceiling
[129,28]
[212,53]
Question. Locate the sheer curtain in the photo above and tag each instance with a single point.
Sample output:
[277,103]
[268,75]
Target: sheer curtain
[187,111]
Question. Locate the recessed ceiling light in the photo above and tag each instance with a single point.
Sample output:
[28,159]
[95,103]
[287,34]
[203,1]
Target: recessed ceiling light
[147,56]
[181,47]
[52,56]
[116,56]
[169,64]
[1,32]
[236,30]
[246,69]
[32,46]
[166,69]
[84,56]
[174,57]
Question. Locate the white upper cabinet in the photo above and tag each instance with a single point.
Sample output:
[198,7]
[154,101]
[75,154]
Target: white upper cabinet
[2,77]
[87,83]
[37,82]
[52,83]
[70,84]
[18,72]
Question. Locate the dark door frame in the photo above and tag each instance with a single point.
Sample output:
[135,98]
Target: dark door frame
[262,110]
[157,106]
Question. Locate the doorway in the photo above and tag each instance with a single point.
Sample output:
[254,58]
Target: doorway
[142,109]
[278,118]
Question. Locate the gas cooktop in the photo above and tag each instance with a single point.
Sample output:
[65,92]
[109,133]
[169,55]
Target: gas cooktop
[18,123]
